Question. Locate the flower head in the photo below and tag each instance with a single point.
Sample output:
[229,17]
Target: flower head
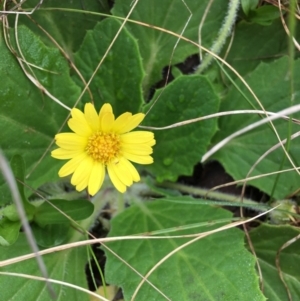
[101,142]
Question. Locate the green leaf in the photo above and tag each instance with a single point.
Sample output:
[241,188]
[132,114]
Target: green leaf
[119,78]
[239,155]
[254,43]
[18,167]
[156,46]
[67,266]
[185,98]
[9,231]
[191,273]
[264,15]
[67,23]
[267,240]
[75,209]
[31,119]
[249,5]
[51,235]
[11,213]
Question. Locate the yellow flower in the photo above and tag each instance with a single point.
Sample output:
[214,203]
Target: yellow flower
[100,141]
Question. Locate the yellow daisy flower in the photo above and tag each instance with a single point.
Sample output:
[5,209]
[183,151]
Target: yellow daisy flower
[100,141]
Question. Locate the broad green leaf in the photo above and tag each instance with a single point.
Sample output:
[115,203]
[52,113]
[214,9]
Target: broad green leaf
[18,167]
[267,240]
[9,231]
[254,43]
[157,46]
[214,266]
[51,235]
[271,84]
[119,78]
[67,266]
[66,21]
[177,150]
[31,119]
[75,209]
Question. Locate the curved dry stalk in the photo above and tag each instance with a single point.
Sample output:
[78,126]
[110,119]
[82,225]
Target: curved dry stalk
[201,25]
[10,180]
[201,235]
[117,238]
[65,54]
[296,44]
[108,49]
[136,271]
[273,148]
[293,109]
[22,61]
[252,178]
[219,114]
[18,6]
[252,249]
[32,277]
[277,260]
[171,57]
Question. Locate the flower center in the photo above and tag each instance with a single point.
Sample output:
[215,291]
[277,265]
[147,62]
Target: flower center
[103,147]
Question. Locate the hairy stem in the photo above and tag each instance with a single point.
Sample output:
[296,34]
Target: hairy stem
[224,32]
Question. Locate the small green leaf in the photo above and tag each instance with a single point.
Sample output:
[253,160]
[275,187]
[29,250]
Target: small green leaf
[264,15]
[9,231]
[11,213]
[216,267]
[18,167]
[177,150]
[248,5]
[75,209]
[50,235]
[119,79]
[254,43]
[68,266]
[267,240]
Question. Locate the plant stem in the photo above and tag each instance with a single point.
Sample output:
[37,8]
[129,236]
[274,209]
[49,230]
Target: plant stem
[212,195]
[224,32]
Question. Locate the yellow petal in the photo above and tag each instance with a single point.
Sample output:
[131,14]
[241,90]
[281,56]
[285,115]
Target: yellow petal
[138,159]
[122,172]
[71,165]
[77,114]
[63,154]
[137,137]
[134,173]
[79,127]
[91,116]
[115,180]
[132,123]
[82,172]
[106,108]
[71,141]
[121,121]
[96,178]
[107,121]
[137,149]
[83,183]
